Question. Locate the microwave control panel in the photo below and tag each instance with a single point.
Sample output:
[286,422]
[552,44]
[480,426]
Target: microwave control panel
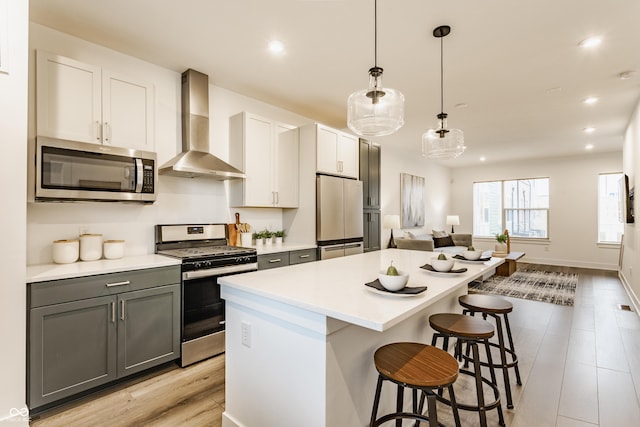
[148,168]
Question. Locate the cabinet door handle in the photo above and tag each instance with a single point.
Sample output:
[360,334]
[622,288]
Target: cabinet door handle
[98,130]
[305,256]
[107,128]
[271,261]
[126,282]
[113,312]
[121,309]
[277,198]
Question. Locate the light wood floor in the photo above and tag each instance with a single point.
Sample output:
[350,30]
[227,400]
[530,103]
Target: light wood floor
[580,366]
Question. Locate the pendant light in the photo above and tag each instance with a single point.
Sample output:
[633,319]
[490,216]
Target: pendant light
[375,111]
[442,143]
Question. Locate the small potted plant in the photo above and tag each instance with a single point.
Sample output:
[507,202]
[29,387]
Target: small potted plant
[503,242]
[259,237]
[279,236]
[268,236]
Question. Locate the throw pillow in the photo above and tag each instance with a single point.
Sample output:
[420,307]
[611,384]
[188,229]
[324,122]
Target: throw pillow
[419,236]
[439,233]
[440,242]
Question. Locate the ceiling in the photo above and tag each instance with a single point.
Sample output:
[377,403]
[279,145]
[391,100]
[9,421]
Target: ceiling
[514,75]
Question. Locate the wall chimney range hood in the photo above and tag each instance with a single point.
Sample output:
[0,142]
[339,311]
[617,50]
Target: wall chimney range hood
[195,160]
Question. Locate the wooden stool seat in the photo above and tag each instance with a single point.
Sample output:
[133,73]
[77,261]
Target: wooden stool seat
[461,326]
[418,367]
[416,364]
[485,303]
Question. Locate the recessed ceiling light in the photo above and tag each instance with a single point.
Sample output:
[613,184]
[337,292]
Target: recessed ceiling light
[588,147]
[590,100]
[590,42]
[276,47]
[626,75]
[554,89]
[461,105]
[483,158]
[589,129]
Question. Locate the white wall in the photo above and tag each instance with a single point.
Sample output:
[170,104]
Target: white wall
[179,200]
[572,207]
[13,128]
[631,253]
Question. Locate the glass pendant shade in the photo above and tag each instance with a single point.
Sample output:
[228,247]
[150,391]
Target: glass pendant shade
[443,143]
[375,111]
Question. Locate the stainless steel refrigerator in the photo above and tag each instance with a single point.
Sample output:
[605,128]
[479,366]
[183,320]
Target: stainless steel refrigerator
[339,230]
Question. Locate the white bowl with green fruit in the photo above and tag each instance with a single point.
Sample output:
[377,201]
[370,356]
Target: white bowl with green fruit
[393,279]
[442,263]
[471,254]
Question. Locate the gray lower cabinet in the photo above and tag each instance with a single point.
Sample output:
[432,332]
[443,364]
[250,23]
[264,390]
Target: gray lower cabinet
[129,322]
[278,259]
[281,259]
[303,255]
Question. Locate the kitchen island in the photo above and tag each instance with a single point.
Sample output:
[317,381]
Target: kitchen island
[300,339]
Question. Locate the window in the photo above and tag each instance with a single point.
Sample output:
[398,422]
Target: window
[610,207]
[520,206]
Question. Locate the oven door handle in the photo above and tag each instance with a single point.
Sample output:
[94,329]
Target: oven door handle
[219,271]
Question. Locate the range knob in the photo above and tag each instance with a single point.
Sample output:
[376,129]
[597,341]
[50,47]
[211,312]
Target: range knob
[197,265]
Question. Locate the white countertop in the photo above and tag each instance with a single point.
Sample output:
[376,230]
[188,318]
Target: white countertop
[45,272]
[283,247]
[336,287]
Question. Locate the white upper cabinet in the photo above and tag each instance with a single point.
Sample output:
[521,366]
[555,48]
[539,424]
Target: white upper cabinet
[267,152]
[337,152]
[82,102]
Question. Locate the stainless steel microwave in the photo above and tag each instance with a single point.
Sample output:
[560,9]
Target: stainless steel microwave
[75,171]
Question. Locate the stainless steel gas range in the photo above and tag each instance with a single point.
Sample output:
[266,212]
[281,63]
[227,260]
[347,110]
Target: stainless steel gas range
[205,256]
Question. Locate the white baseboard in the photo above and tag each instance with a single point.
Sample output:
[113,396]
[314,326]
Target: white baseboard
[635,302]
[570,263]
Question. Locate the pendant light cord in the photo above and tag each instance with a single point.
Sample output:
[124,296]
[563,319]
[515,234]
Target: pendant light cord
[441,76]
[375,33]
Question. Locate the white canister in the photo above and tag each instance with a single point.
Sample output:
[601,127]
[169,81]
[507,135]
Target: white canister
[65,251]
[90,247]
[245,239]
[113,249]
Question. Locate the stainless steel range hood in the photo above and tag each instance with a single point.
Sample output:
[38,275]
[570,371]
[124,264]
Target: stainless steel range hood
[195,159]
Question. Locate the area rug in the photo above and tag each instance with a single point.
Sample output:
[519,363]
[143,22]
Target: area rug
[537,285]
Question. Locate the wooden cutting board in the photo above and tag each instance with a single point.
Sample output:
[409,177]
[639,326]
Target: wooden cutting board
[233,231]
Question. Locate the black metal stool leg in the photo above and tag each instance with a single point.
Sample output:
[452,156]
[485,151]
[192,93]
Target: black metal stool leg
[433,413]
[512,347]
[503,360]
[492,372]
[399,403]
[454,406]
[376,401]
[478,376]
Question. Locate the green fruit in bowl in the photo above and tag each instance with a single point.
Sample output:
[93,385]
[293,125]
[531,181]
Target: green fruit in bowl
[391,270]
[442,257]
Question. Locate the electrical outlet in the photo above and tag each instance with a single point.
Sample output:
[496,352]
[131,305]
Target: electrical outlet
[245,331]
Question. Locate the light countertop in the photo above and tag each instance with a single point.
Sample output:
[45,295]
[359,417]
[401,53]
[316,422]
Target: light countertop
[335,287]
[45,272]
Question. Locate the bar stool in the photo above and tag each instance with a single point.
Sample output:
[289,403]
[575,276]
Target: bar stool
[471,331]
[418,367]
[496,307]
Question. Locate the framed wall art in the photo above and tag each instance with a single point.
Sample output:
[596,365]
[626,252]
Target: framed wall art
[412,210]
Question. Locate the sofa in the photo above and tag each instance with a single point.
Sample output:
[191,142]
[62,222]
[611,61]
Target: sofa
[426,242]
